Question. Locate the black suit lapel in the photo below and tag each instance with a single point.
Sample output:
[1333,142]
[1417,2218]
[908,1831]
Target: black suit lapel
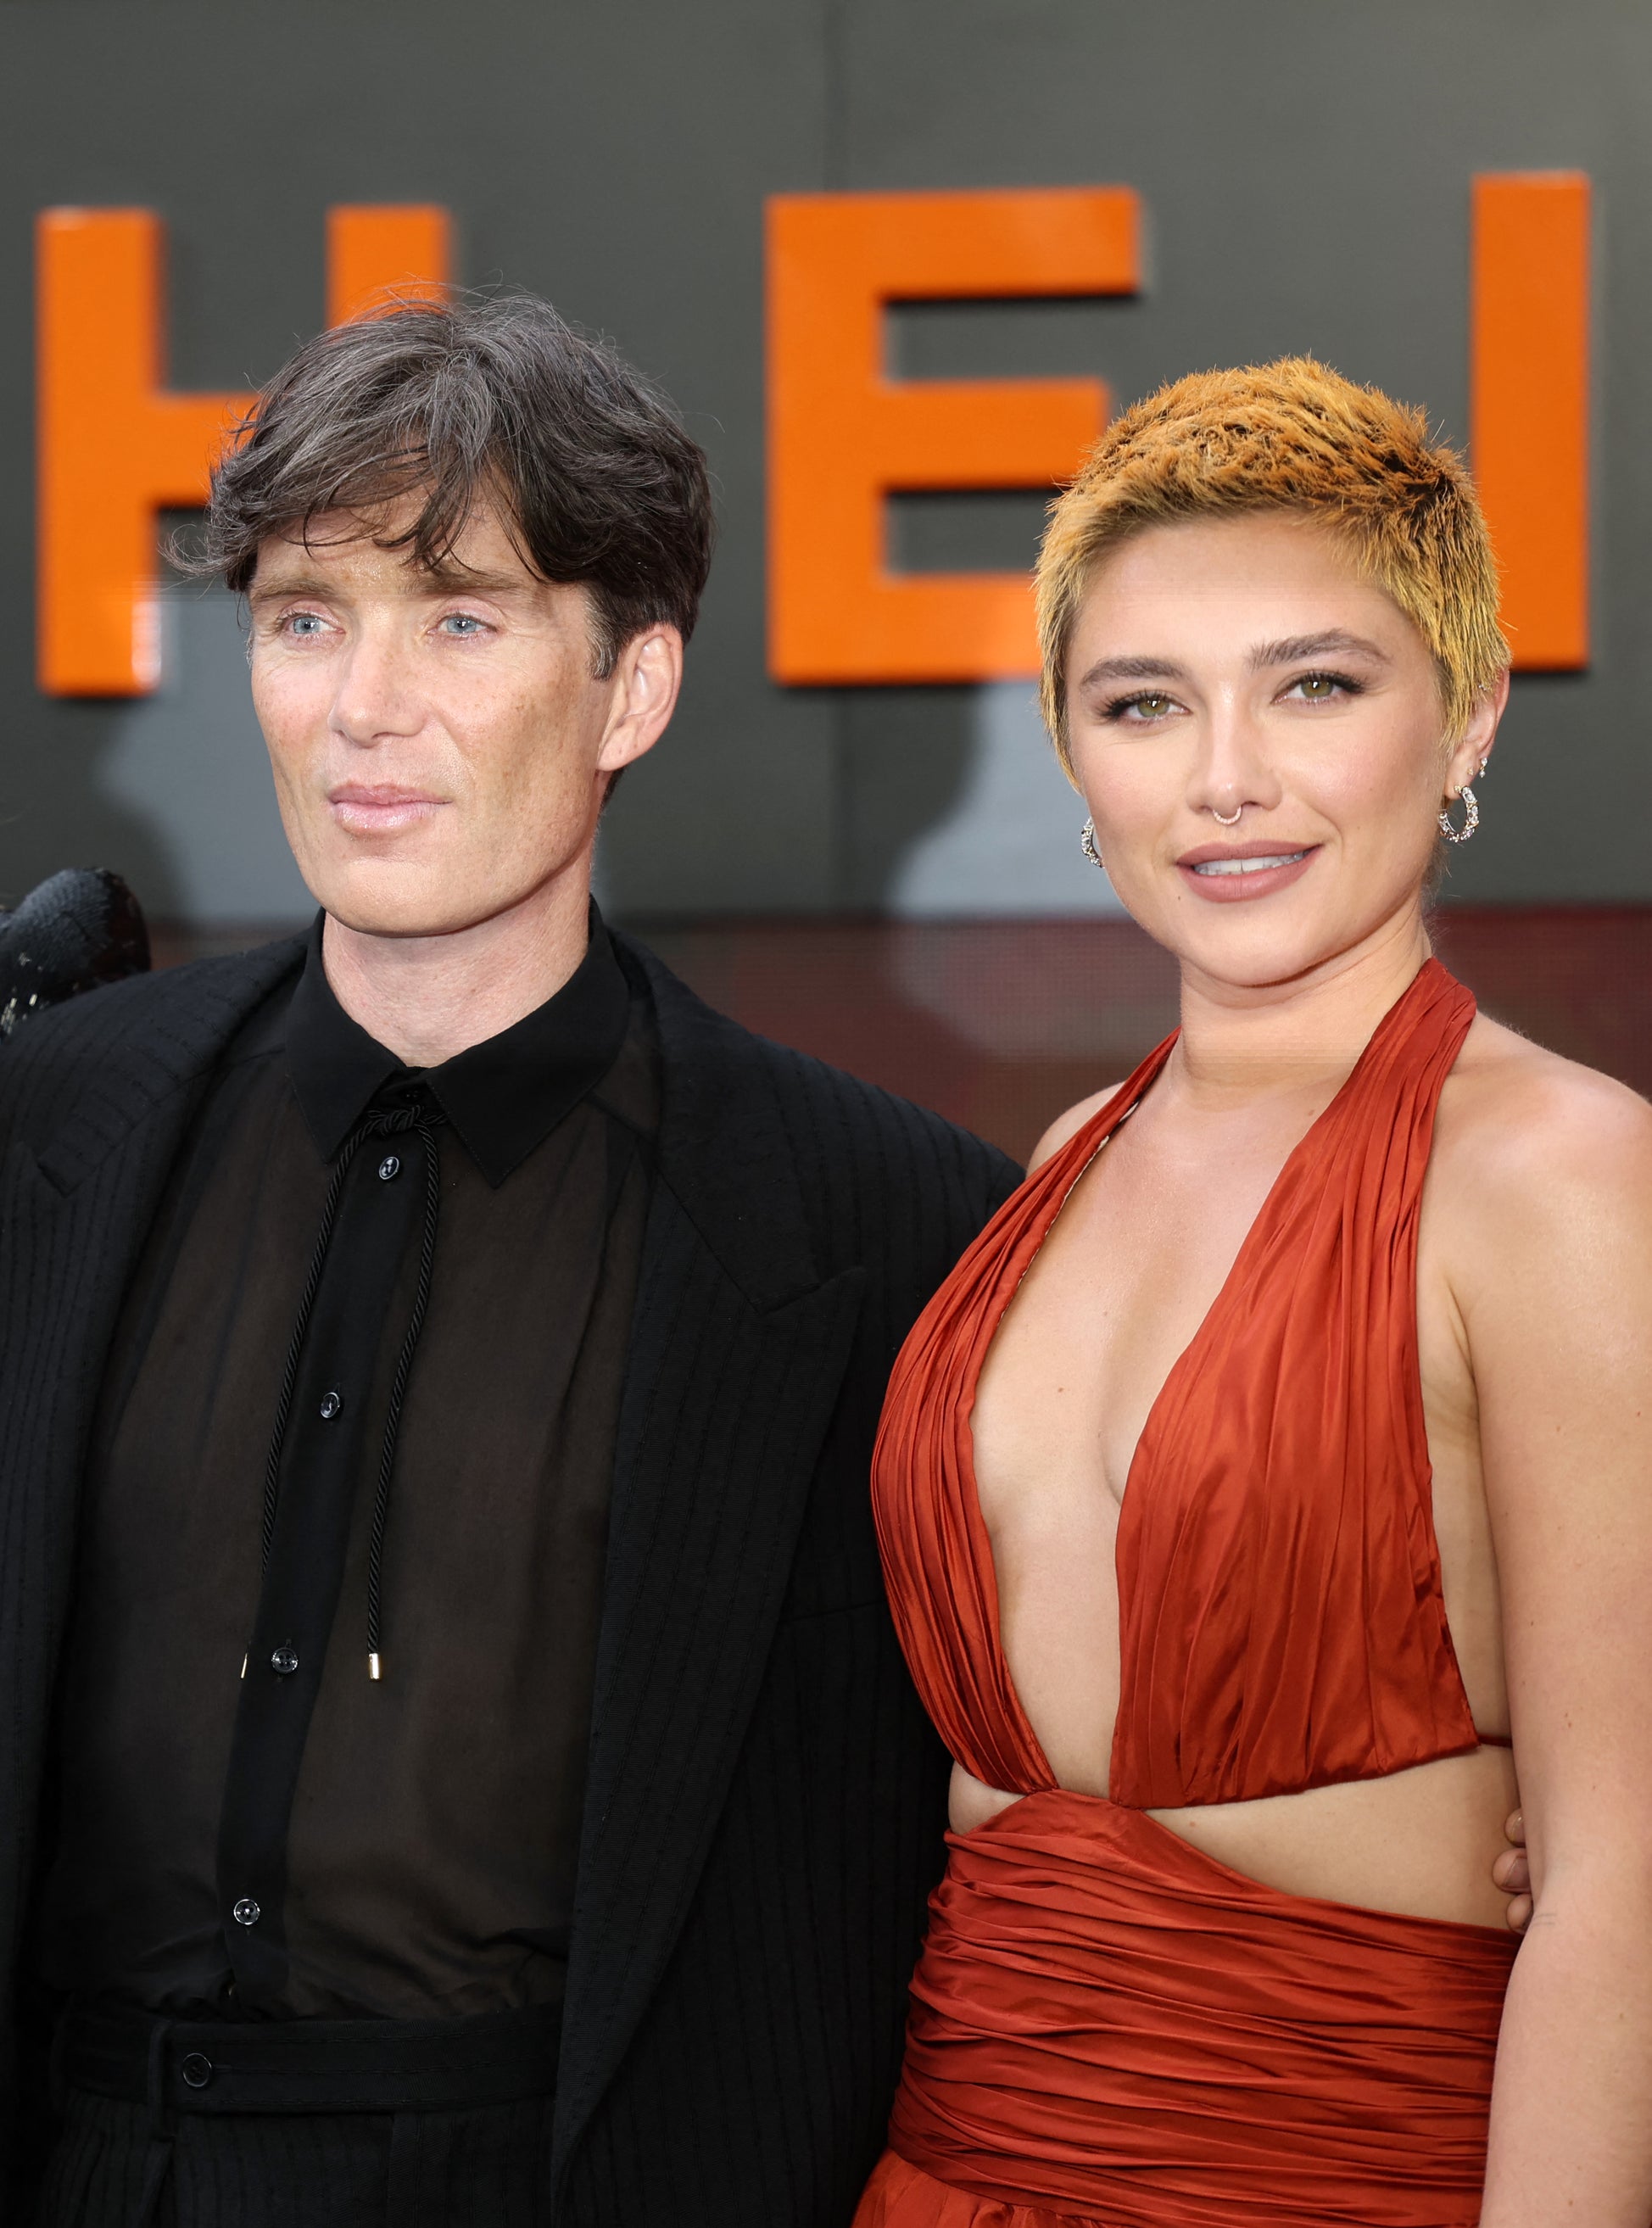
[738,1352]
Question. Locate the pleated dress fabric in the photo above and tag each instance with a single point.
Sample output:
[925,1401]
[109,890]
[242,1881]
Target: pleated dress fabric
[1108,2027]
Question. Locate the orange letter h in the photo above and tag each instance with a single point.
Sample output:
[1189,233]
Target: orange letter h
[116,446]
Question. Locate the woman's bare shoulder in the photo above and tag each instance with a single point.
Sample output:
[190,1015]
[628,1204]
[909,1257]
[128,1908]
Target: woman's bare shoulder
[1066,1126]
[1523,1132]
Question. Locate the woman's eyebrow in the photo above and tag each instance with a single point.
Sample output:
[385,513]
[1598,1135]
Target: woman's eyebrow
[1335,643]
[1133,668]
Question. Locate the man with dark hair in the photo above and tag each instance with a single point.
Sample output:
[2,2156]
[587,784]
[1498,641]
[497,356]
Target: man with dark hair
[461,1768]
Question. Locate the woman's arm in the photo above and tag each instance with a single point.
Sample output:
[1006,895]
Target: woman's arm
[1552,1273]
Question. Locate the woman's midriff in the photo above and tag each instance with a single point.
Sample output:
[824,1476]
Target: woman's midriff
[1110,2024]
[1421,1842]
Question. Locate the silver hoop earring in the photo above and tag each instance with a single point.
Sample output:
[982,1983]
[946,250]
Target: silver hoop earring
[1471,817]
[1088,846]
[1228,820]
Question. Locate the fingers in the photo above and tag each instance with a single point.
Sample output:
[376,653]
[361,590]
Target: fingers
[1513,1872]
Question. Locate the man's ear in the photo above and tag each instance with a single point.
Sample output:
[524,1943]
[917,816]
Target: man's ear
[644,688]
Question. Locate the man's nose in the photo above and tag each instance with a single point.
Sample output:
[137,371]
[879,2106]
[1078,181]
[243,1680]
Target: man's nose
[375,697]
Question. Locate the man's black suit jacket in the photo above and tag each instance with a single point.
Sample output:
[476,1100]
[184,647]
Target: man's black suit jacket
[765,1800]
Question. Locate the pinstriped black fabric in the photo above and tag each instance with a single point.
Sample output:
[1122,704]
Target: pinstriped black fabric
[737,1986]
[482,2168]
[766,1798]
[94,1096]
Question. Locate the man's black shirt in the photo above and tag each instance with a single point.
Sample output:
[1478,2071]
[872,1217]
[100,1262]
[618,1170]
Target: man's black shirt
[300,1839]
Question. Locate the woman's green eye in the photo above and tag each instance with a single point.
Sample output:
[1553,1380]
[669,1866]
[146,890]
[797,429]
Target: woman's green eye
[1153,707]
[1318,688]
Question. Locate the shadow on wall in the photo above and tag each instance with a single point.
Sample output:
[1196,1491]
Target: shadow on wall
[172,791]
[188,767]
[1005,840]
[53,815]
[955,807]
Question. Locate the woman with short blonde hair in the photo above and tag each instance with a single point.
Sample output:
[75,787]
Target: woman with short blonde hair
[1264,1498]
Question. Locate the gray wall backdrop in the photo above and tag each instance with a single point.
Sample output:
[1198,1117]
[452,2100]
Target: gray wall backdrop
[1305,166]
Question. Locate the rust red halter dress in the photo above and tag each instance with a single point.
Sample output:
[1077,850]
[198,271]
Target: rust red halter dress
[1107,2025]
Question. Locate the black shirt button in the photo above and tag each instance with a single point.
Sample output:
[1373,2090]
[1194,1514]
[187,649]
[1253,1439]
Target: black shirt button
[285,1659]
[246,1911]
[388,1167]
[330,1405]
[197,2070]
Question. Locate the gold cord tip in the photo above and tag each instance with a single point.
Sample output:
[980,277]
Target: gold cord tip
[373,1666]
[243,1666]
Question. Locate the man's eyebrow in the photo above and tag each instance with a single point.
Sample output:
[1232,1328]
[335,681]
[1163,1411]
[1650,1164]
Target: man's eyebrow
[421,580]
[1336,642]
[456,580]
[1132,668]
[266,585]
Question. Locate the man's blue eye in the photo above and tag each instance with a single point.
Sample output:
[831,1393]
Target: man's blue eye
[302,621]
[462,622]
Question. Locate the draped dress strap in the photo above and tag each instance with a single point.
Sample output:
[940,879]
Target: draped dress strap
[1281,1609]
[936,1555]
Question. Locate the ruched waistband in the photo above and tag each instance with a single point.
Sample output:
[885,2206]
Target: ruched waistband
[1108,2023]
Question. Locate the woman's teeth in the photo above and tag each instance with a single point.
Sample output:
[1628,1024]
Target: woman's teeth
[1249,866]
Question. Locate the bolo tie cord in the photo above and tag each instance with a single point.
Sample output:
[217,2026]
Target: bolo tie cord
[376,1125]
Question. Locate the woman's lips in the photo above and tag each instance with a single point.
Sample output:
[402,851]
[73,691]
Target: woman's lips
[382,810]
[1233,873]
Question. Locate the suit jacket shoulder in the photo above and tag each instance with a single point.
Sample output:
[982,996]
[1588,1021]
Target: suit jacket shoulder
[79,1076]
[756,1132]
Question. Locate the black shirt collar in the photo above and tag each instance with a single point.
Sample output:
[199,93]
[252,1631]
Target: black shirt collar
[503,1096]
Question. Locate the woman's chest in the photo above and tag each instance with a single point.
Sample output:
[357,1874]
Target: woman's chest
[1115,1296]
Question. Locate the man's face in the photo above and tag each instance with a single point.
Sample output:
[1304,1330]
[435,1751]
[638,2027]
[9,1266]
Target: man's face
[440,742]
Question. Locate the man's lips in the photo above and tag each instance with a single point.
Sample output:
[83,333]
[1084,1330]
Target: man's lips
[381,808]
[1226,873]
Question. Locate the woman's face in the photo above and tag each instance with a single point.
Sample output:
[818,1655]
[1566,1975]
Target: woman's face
[1244,666]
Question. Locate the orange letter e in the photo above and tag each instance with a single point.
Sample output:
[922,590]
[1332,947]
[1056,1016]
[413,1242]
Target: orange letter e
[842,435]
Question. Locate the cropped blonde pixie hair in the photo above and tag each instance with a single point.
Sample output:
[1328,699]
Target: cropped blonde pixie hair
[1291,435]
